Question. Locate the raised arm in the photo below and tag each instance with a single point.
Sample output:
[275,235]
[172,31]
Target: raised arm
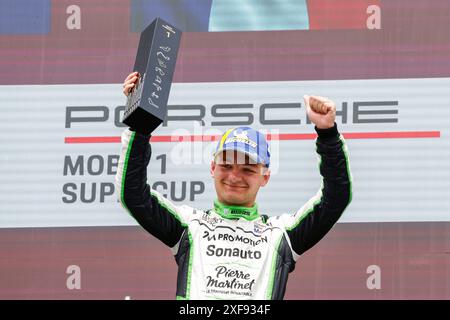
[313,221]
[151,210]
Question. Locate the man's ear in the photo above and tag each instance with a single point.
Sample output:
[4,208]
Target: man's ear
[266,177]
[212,168]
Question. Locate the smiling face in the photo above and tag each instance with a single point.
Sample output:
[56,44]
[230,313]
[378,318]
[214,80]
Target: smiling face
[237,179]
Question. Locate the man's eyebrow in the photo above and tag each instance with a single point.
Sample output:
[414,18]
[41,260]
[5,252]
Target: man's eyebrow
[251,165]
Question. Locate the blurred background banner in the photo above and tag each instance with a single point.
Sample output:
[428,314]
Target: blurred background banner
[386,64]
[25,17]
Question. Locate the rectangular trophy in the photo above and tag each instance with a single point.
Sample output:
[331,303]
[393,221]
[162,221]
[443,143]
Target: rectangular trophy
[146,106]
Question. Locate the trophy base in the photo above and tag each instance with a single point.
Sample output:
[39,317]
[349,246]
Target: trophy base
[142,121]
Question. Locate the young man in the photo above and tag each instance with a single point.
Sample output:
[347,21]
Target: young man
[232,251]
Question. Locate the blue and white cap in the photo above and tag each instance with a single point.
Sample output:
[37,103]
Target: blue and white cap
[245,140]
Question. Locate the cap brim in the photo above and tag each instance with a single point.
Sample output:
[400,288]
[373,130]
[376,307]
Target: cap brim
[251,155]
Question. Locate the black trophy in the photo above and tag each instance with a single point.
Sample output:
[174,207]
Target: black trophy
[146,106]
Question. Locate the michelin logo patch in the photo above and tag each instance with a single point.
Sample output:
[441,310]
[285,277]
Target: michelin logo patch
[241,137]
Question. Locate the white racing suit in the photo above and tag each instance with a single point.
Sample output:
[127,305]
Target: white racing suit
[224,257]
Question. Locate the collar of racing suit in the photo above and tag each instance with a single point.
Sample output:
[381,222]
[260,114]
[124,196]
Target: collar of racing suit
[236,212]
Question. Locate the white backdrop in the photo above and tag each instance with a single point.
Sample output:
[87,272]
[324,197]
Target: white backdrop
[405,178]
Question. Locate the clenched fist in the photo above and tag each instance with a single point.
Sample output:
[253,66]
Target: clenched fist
[130,82]
[321,111]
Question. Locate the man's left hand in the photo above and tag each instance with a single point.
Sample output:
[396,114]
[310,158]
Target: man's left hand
[321,111]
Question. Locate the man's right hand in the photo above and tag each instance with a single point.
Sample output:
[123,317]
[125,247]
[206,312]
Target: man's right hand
[130,82]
